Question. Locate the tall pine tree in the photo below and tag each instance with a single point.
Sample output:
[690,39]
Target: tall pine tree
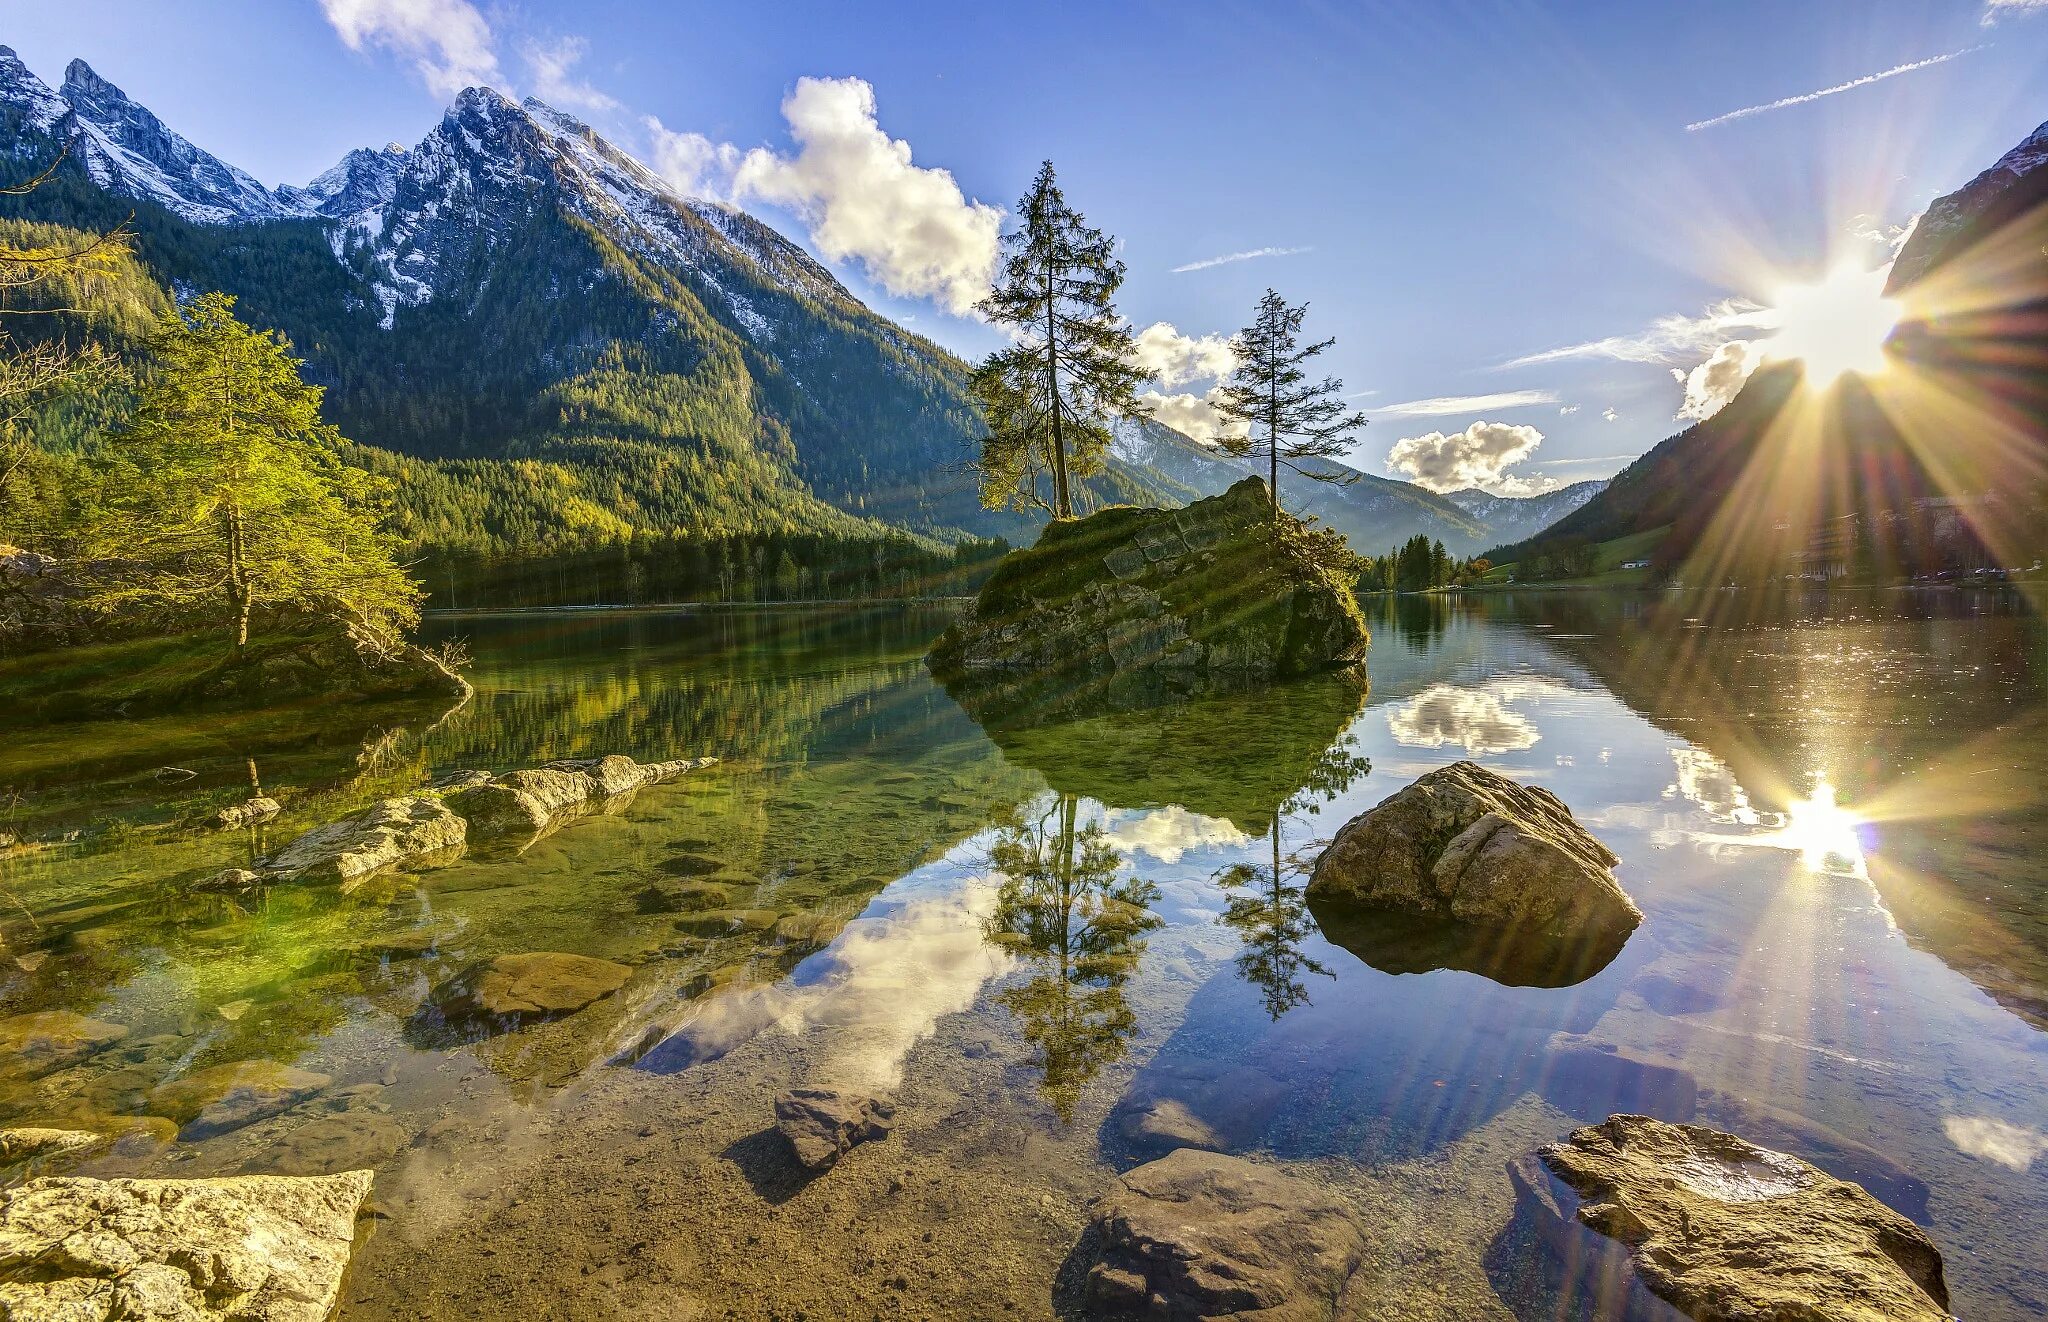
[1050,397]
[1283,414]
[231,495]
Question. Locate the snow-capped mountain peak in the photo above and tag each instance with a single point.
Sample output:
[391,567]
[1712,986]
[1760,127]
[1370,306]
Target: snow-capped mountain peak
[126,149]
[19,87]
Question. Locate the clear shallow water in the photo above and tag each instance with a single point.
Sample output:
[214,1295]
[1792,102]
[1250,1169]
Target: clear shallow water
[1058,941]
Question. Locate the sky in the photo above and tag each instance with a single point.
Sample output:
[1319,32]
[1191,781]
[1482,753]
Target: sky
[1543,236]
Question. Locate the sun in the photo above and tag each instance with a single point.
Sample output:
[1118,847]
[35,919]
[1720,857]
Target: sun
[1836,326]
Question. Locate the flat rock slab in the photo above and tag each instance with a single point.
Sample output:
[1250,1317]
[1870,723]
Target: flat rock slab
[253,1248]
[224,1097]
[415,829]
[534,801]
[822,1125]
[32,1144]
[1717,1228]
[502,993]
[1469,845]
[1205,1235]
[47,1041]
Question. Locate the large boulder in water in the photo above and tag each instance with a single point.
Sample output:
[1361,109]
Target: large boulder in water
[1655,1219]
[1470,846]
[1204,1235]
[413,829]
[535,801]
[1206,590]
[253,1248]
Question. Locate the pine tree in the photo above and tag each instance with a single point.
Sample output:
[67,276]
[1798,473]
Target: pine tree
[1284,415]
[1049,399]
[230,494]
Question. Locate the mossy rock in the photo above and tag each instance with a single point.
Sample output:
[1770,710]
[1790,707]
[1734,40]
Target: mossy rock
[1217,588]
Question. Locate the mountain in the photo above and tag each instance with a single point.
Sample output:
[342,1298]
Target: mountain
[1938,464]
[516,290]
[1515,517]
[1374,513]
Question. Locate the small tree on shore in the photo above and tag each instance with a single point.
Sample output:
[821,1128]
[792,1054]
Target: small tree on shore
[231,495]
[1050,397]
[1285,416]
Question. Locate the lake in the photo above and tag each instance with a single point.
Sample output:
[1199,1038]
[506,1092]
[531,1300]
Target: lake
[1066,936]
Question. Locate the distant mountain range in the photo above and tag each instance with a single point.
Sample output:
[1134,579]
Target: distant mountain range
[1942,465]
[514,289]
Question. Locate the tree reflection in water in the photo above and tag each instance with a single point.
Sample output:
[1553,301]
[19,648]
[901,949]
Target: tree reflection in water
[1268,908]
[1066,908]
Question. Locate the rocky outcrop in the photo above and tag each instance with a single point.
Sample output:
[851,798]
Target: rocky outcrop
[1205,590]
[252,1249]
[503,993]
[1715,1227]
[414,829]
[1204,1235]
[1468,845]
[822,1125]
[531,802]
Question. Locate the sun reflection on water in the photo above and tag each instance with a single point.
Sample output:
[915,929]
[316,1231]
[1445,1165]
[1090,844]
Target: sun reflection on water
[1827,835]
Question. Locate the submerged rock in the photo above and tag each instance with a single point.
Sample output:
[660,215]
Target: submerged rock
[532,801]
[1468,845]
[416,829]
[48,1040]
[252,1248]
[1716,1227]
[1207,589]
[30,1144]
[822,1124]
[246,813]
[225,1097]
[503,993]
[1203,1235]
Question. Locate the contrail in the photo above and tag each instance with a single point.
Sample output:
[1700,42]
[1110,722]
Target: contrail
[1228,258]
[1849,86]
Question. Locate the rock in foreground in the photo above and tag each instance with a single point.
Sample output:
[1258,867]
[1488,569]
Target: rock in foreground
[253,1249]
[1205,590]
[1203,1235]
[1716,1227]
[822,1125]
[1468,845]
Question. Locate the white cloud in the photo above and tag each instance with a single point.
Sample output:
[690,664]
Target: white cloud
[1710,386]
[1473,719]
[1568,410]
[1997,9]
[1168,833]
[1250,254]
[448,40]
[861,198]
[1710,783]
[1177,359]
[1193,416]
[693,164]
[2011,1146]
[1473,457]
[1444,406]
[1666,340]
[1609,415]
[1854,83]
[552,64]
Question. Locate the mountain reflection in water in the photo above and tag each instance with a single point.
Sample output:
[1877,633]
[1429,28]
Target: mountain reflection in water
[1068,938]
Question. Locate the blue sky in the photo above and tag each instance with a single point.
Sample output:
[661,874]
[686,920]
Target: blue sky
[1468,184]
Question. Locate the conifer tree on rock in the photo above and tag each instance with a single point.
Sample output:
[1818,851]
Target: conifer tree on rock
[1279,412]
[228,494]
[1049,399]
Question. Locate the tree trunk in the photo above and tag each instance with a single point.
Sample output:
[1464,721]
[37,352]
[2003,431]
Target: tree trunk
[238,583]
[1273,443]
[1062,505]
